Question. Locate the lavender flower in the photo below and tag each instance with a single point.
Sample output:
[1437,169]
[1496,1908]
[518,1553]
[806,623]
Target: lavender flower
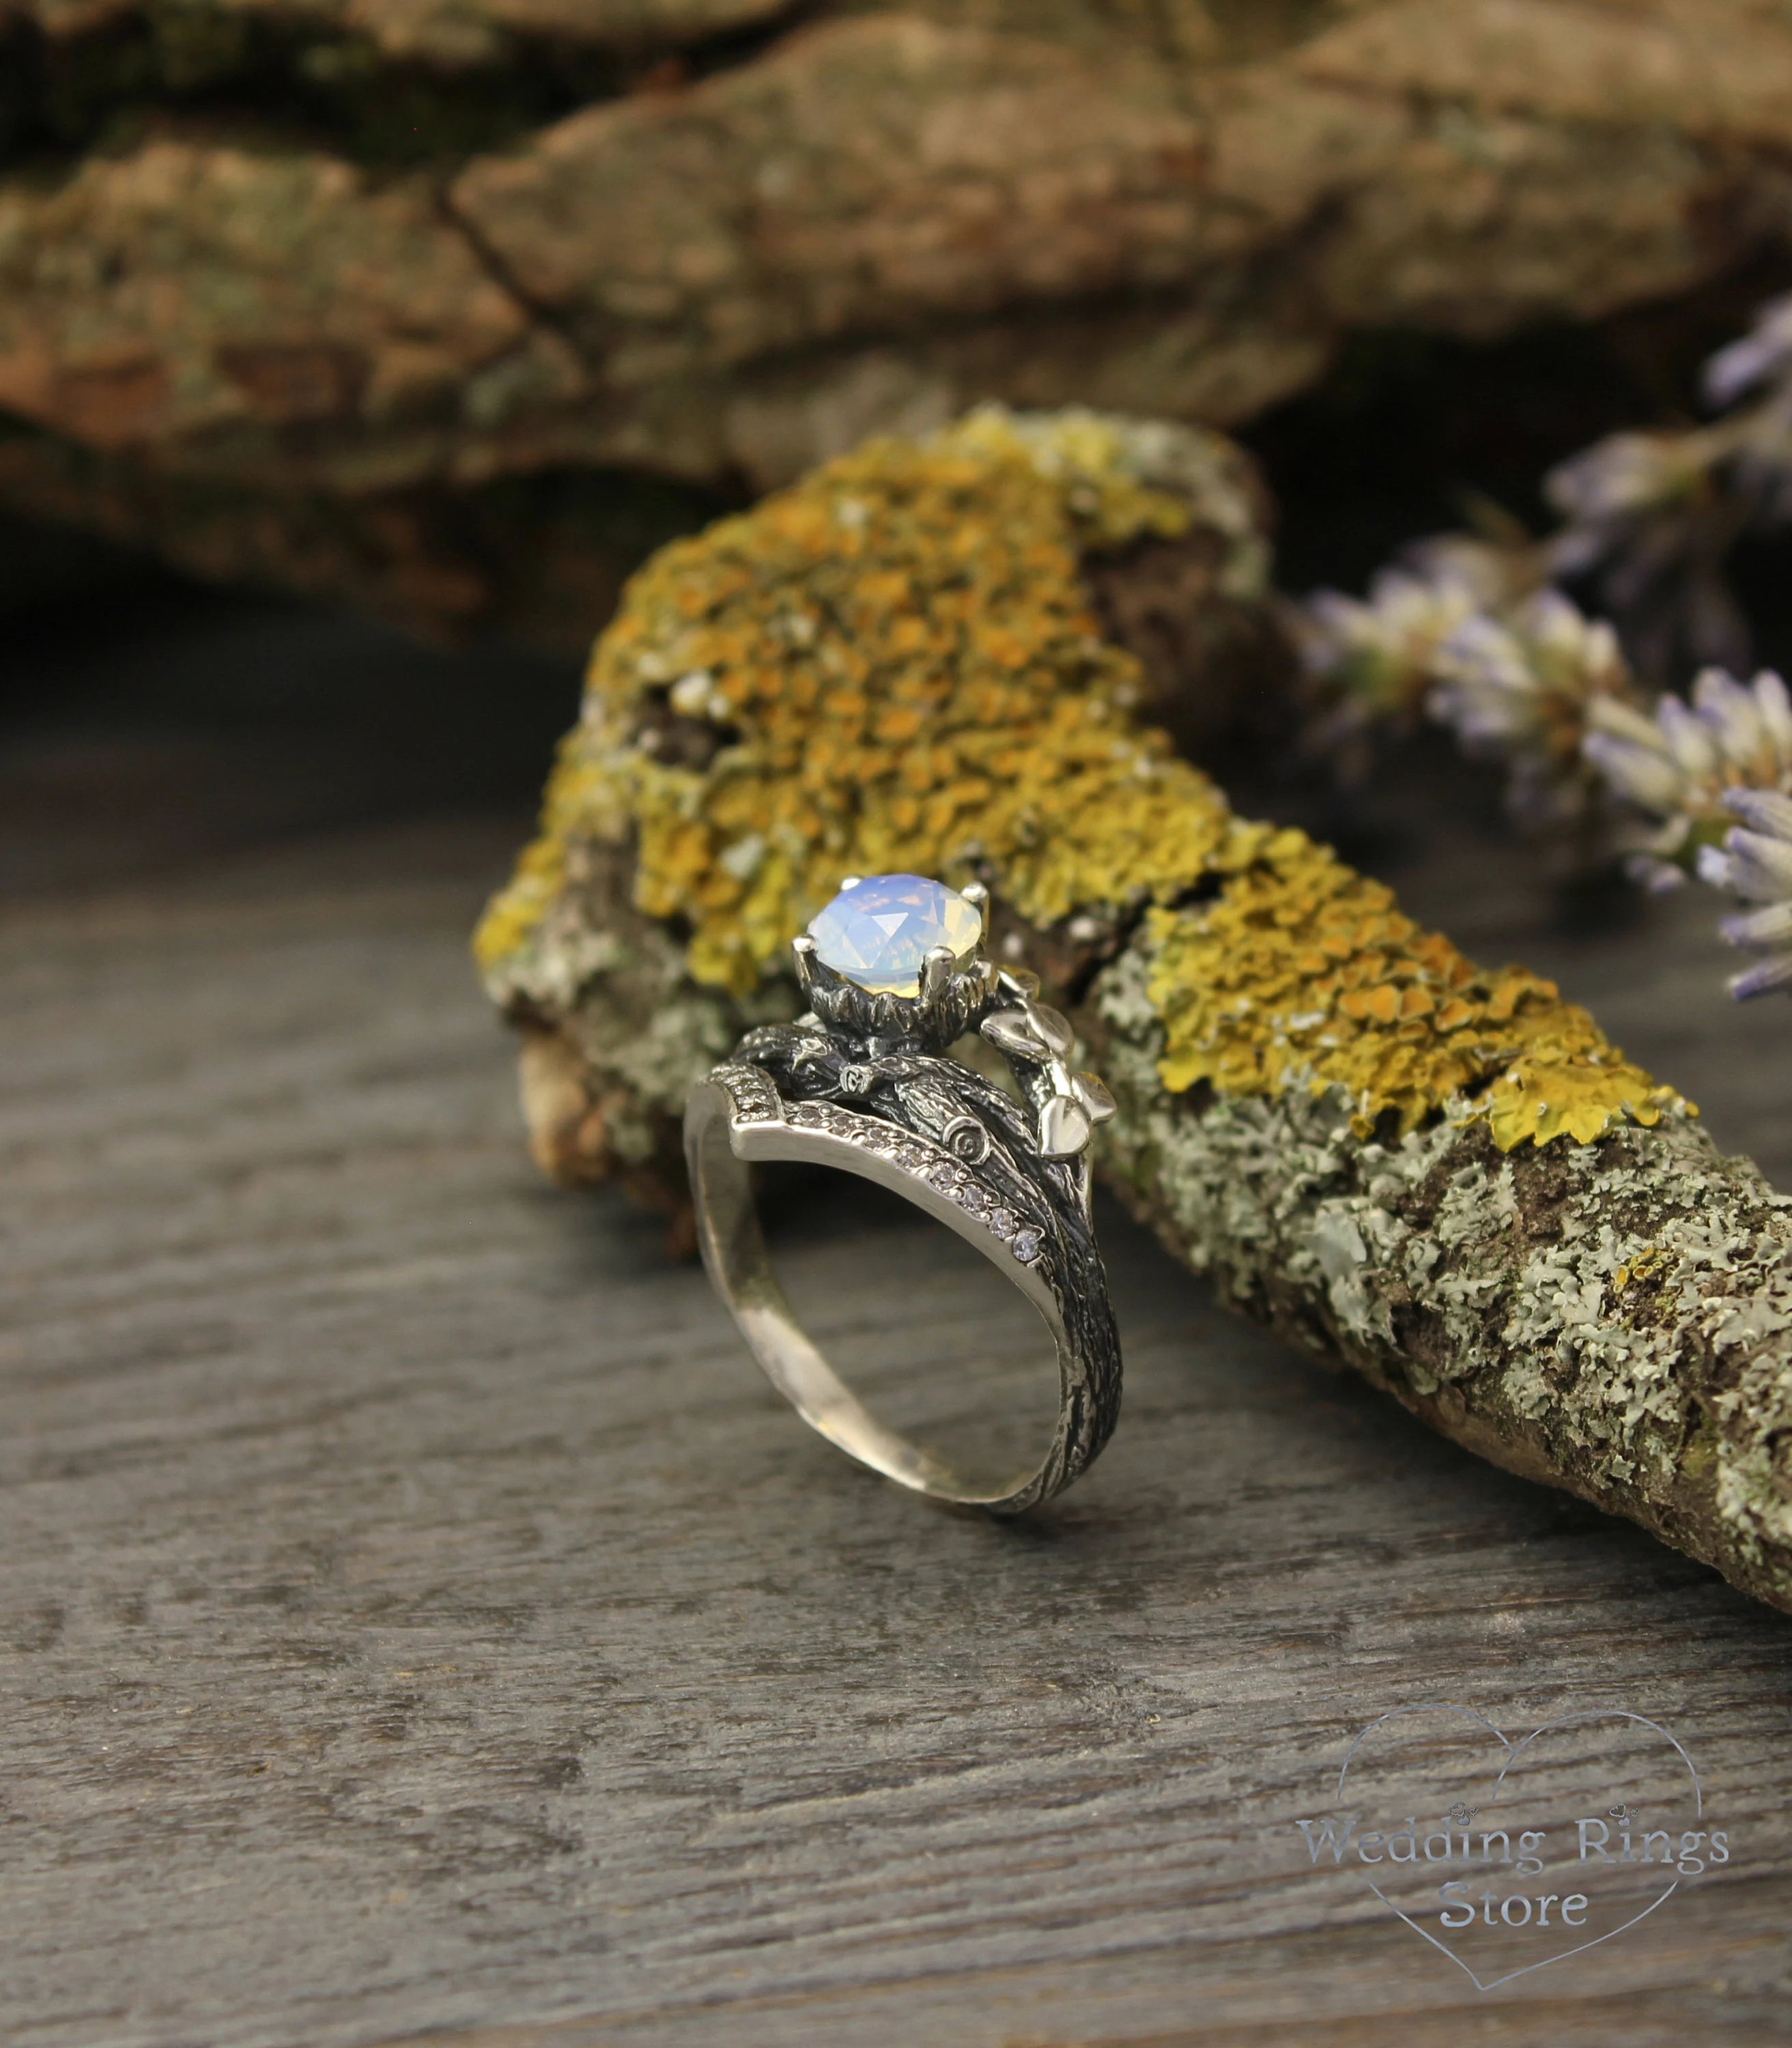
[1605,489]
[1374,663]
[1764,354]
[1465,631]
[1382,652]
[1755,863]
[1522,688]
[1677,770]
[1469,632]
[1648,518]
[1653,516]
[1759,456]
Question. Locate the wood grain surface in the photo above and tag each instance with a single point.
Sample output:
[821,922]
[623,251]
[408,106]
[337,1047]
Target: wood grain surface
[420,1621]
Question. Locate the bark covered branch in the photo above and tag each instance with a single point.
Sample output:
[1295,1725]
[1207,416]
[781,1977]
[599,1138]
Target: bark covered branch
[1443,1176]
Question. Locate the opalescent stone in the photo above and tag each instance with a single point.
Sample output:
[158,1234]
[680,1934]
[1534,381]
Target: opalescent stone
[878,933]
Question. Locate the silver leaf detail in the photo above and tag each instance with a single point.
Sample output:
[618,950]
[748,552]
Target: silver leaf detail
[1092,1092]
[1011,1031]
[1065,1128]
[1052,1025]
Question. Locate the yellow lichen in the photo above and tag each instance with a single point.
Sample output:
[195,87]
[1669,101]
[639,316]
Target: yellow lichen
[1652,1259]
[892,665]
[518,909]
[898,663]
[1302,971]
[580,803]
[1082,456]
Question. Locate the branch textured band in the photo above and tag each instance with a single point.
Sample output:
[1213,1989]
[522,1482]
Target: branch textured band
[1444,1177]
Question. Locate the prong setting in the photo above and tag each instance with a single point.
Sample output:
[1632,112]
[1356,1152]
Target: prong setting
[936,971]
[896,962]
[955,988]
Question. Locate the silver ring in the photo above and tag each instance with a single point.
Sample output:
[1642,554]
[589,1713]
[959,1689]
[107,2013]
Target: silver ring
[895,971]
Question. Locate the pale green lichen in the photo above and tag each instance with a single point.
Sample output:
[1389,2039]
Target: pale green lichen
[1581,1330]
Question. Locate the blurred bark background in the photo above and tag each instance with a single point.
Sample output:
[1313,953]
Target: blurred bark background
[453,308]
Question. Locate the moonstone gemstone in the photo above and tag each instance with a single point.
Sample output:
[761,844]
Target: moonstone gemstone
[877,932]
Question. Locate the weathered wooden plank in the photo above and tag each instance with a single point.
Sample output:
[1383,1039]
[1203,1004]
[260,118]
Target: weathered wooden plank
[419,1616]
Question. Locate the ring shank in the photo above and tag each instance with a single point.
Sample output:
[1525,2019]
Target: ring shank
[720,1154]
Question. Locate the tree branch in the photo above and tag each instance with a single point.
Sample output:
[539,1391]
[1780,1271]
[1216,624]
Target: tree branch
[1443,1177]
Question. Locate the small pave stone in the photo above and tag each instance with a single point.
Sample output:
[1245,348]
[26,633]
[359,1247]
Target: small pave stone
[1003,1223]
[878,933]
[1026,1244]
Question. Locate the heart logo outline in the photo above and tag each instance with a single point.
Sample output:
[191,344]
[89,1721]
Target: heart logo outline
[1514,1751]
